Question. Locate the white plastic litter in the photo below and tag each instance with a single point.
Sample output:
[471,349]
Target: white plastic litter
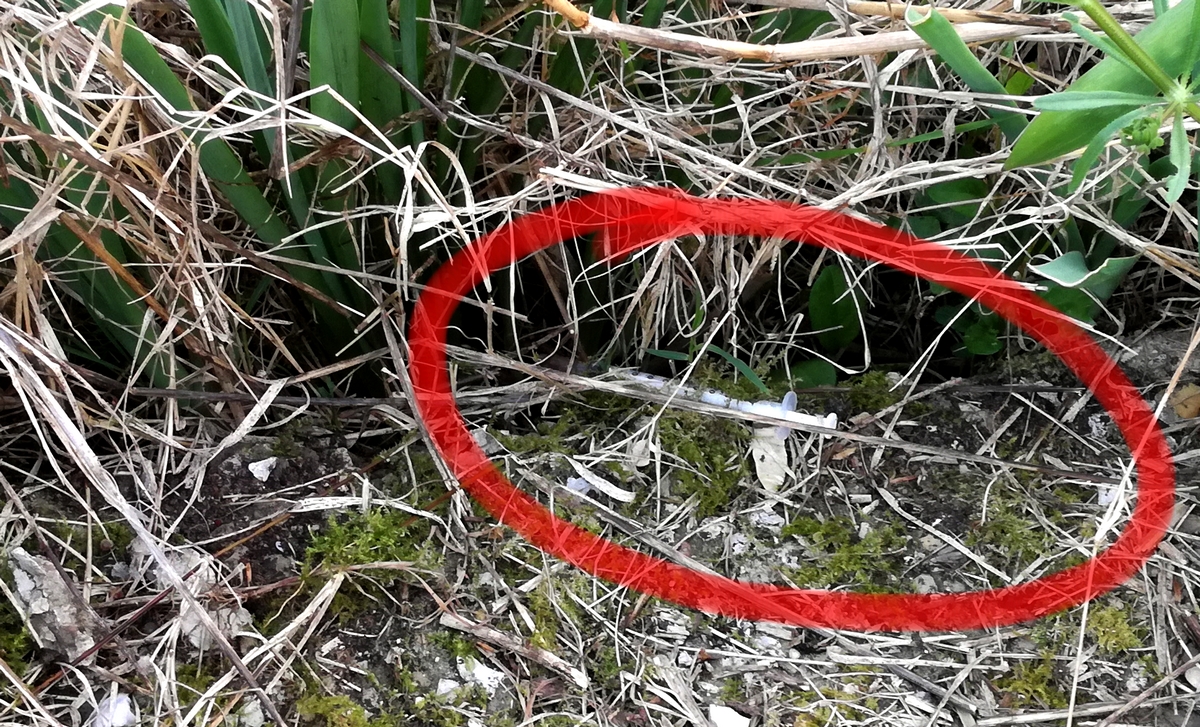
[476,672]
[263,468]
[723,716]
[446,686]
[114,711]
[782,410]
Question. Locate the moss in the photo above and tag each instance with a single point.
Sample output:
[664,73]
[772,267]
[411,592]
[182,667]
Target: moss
[820,707]
[1032,684]
[605,667]
[331,711]
[1017,539]
[545,618]
[16,644]
[193,681]
[1110,627]
[713,451]
[733,690]
[457,644]
[872,392]
[870,563]
[380,534]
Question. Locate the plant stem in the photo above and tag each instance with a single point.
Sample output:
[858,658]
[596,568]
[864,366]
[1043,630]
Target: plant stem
[1107,23]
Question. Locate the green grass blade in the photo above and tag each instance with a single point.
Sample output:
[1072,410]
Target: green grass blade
[382,97]
[225,171]
[216,32]
[247,35]
[741,366]
[414,45]
[1054,133]
[940,34]
[333,59]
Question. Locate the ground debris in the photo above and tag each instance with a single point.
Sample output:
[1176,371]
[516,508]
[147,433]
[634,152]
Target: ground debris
[50,606]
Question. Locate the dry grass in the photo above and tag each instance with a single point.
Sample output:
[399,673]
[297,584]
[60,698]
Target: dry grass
[212,594]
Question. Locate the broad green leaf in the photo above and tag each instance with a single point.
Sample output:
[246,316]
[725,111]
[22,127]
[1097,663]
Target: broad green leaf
[224,169]
[1103,42]
[1019,84]
[1054,133]
[833,309]
[216,32]
[382,97]
[1071,271]
[982,336]
[1072,302]
[1078,101]
[814,373]
[333,59]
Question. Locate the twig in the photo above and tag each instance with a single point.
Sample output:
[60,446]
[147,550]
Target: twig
[807,50]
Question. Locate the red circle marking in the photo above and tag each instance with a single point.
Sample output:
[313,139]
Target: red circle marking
[631,219]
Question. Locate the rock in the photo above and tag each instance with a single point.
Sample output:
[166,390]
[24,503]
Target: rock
[56,618]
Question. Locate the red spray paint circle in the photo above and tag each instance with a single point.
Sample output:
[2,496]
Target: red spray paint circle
[631,219]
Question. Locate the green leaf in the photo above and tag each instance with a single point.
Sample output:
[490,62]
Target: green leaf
[1104,43]
[1054,133]
[1097,144]
[1072,302]
[940,34]
[1019,84]
[669,355]
[1071,271]
[814,373]
[333,59]
[1079,101]
[414,44]
[741,366]
[216,32]
[1181,157]
[982,337]
[833,309]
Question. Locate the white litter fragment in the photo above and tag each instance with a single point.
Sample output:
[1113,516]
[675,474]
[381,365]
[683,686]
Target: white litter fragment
[601,484]
[476,672]
[723,716]
[770,457]
[768,519]
[114,711]
[446,686]
[263,468]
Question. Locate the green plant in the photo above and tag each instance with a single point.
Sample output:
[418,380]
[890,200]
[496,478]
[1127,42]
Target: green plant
[1116,95]
[834,309]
